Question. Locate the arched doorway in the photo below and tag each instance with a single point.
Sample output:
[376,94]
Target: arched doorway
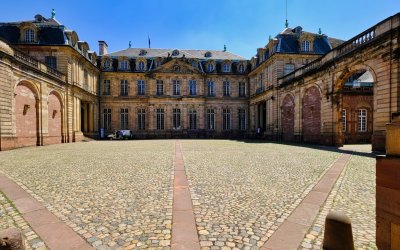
[26,116]
[54,119]
[288,118]
[311,115]
[356,114]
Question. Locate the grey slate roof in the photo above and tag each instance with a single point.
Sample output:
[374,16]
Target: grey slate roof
[288,41]
[153,53]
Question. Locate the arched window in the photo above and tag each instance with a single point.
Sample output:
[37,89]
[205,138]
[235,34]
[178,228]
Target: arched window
[29,36]
[210,67]
[141,66]
[305,46]
[208,54]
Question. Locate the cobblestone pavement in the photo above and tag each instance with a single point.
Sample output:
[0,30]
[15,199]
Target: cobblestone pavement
[114,194]
[354,193]
[242,191]
[11,218]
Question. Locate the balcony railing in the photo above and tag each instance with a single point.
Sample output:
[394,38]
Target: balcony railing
[26,59]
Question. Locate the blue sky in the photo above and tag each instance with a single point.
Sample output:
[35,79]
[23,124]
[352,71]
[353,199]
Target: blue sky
[243,25]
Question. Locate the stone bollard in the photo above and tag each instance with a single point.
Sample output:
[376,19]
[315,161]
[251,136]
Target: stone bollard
[11,239]
[338,233]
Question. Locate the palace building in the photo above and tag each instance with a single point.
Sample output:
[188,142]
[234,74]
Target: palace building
[300,87]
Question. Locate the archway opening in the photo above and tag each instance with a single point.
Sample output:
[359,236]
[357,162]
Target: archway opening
[356,114]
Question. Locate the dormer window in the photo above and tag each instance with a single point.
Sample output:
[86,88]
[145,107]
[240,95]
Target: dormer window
[124,65]
[241,68]
[194,64]
[210,67]
[175,53]
[305,46]
[208,54]
[29,36]
[226,67]
[141,66]
[107,64]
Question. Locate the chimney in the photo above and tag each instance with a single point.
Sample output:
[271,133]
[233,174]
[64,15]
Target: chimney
[102,48]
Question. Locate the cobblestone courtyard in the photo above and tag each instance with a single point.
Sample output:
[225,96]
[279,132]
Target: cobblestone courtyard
[119,194]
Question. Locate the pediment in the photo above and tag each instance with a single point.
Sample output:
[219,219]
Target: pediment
[177,66]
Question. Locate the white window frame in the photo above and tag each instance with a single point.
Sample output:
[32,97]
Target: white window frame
[29,36]
[210,67]
[176,87]
[124,91]
[306,46]
[124,65]
[362,120]
[344,120]
[226,119]
[159,87]
[226,67]
[241,68]
[141,66]
[226,88]
[141,87]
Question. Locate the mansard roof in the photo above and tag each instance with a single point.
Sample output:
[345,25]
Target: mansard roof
[289,41]
[190,54]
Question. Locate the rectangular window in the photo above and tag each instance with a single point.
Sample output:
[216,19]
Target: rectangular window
[210,119]
[106,87]
[288,68]
[176,118]
[51,61]
[242,119]
[242,89]
[29,36]
[124,88]
[141,118]
[176,87]
[141,87]
[159,87]
[107,119]
[192,119]
[160,119]
[344,120]
[226,119]
[362,120]
[124,118]
[192,87]
[226,88]
[210,88]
